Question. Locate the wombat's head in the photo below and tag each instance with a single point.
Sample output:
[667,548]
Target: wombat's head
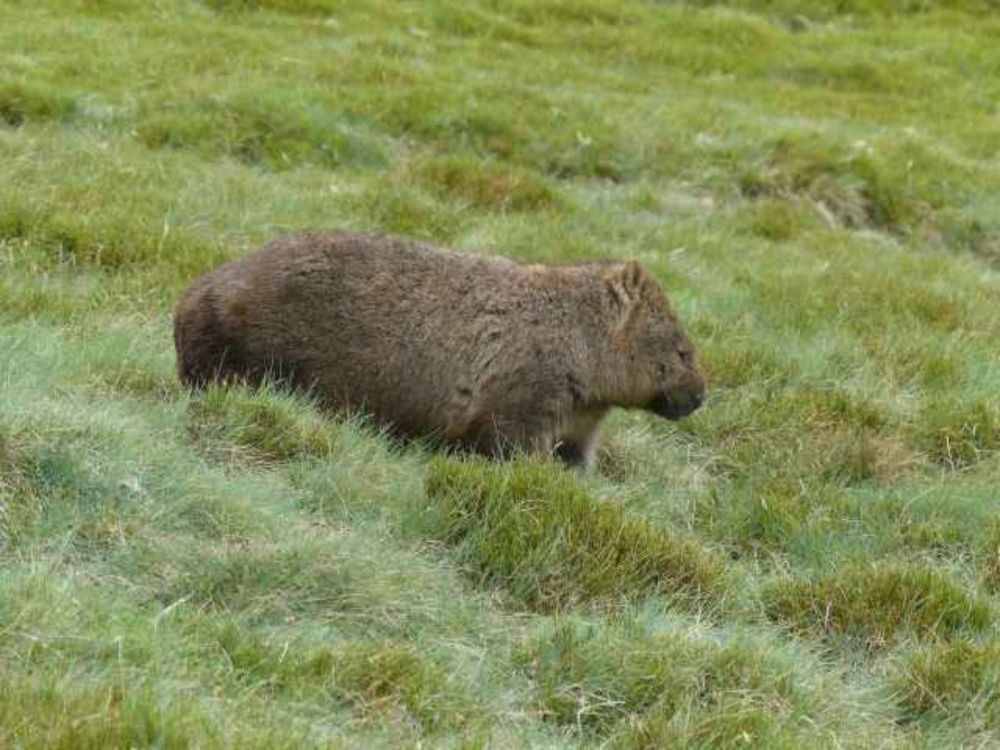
[662,369]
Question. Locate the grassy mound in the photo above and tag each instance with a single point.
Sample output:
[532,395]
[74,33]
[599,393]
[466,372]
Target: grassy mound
[962,678]
[533,530]
[877,605]
[259,425]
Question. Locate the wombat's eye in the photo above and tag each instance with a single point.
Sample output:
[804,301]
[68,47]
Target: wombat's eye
[684,354]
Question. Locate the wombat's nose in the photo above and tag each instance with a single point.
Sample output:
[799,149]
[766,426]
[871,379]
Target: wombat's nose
[697,400]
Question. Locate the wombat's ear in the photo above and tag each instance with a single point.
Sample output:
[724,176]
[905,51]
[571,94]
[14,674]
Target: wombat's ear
[626,283]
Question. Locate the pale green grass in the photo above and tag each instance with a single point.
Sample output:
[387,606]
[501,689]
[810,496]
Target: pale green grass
[814,557]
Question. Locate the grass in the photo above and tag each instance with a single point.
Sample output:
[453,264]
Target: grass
[877,604]
[531,530]
[812,557]
[260,426]
[645,680]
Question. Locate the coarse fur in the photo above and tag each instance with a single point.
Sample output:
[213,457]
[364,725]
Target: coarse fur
[480,351]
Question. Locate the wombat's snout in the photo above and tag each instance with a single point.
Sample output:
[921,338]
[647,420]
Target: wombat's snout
[673,407]
[677,404]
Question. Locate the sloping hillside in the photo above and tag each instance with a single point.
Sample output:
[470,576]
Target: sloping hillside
[812,558]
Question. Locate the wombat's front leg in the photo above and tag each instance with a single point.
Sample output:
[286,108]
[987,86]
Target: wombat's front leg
[576,452]
[504,439]
[578,445]
[556,432]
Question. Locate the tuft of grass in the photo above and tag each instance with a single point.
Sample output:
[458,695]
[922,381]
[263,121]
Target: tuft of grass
[379,677]
[20,504]
[294,7]
[737,365]
[877,605]
[634,686]
[259,424]
[989,558]
[269,129]
[21,103]
[942,681]
[537,136]
[874,185]
[777,219]
[379,680]
[833,9]
[44,711]
[531,529]
[105,240]
[395,209]
[794,434]
[486,185]
[771,514]
[957,435]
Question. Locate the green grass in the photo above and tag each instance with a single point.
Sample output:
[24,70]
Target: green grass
[531,530]
[645,680]
[813,557]
[877,605]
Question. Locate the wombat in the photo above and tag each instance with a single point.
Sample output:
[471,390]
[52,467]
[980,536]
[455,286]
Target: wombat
[479,351]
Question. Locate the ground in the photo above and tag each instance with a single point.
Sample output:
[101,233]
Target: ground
[814,556]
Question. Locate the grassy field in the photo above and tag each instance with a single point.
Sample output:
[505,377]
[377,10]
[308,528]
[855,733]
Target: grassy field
[814,557]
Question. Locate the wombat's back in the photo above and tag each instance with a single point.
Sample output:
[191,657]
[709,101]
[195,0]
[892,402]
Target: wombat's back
[365,321]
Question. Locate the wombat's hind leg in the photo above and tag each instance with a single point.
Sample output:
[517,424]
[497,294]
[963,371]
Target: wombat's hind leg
[577,452]
[202,360]
[209,347]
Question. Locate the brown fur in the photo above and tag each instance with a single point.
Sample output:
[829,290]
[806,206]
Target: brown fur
[478,350]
